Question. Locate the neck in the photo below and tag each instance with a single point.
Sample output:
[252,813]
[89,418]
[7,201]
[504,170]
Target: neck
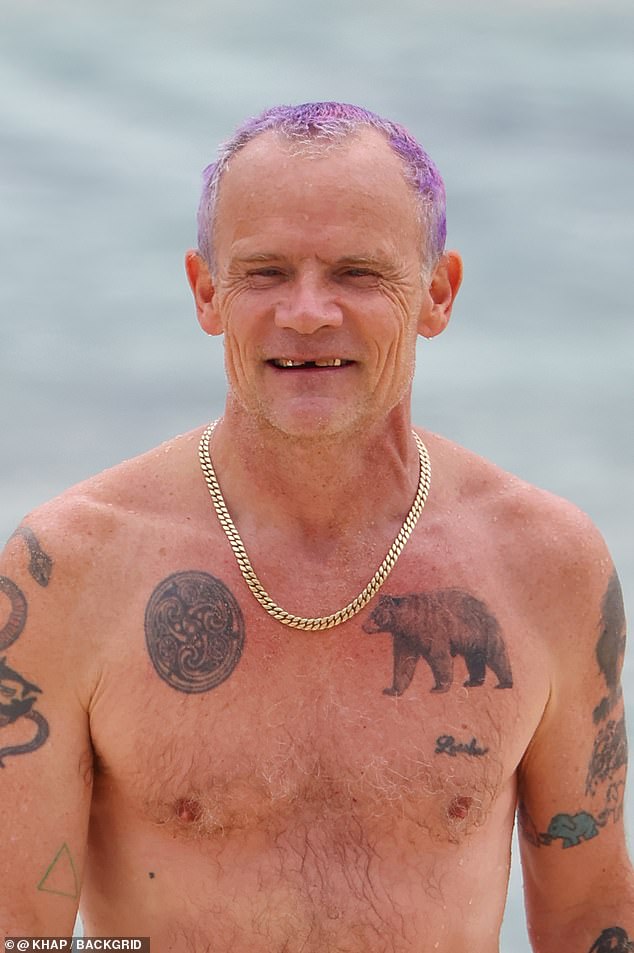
[312,485]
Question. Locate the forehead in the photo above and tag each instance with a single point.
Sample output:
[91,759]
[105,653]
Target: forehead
[361,149]
[356,180]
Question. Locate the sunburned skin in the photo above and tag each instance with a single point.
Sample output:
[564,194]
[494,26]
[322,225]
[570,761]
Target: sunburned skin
[422,792]
[327,814]
[257,786]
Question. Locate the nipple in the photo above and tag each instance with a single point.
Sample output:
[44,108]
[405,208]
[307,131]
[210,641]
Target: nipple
[187,809]
[459,807]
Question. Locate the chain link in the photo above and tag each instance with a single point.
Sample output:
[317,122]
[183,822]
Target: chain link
[254,584]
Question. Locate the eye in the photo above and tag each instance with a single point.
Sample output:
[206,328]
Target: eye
[361,277]
[264,277]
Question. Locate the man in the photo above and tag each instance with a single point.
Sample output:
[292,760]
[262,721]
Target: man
[224,729]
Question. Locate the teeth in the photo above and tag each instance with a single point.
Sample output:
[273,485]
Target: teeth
[287,362]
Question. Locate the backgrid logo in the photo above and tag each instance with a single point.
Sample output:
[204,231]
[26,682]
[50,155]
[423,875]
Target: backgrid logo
[77,944]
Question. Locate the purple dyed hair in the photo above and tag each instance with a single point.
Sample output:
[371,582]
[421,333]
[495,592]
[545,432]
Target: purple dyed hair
[319,124]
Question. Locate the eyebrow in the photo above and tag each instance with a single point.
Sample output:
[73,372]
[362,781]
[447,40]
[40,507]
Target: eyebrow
[370,261]
[255,257]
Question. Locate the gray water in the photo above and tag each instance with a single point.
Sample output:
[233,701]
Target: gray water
[108,111]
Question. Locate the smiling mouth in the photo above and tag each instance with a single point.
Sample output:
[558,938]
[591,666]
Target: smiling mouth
[286,363]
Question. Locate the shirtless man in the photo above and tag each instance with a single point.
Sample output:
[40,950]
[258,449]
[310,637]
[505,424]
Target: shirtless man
[222,774]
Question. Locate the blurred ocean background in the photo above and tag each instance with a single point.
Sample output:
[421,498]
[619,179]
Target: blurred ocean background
[108,112]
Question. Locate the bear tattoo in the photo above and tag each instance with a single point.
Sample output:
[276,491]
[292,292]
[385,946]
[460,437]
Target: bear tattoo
[437,626]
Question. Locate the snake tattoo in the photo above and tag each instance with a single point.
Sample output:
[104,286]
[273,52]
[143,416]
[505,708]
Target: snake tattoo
[18,696]
[40,564]
[23,697]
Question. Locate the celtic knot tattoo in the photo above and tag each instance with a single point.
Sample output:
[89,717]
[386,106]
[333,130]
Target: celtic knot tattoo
[194,631]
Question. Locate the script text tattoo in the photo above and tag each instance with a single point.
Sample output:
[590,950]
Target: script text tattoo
[447,744]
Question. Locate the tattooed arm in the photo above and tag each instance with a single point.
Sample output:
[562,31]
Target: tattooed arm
[579,884]
[45,757]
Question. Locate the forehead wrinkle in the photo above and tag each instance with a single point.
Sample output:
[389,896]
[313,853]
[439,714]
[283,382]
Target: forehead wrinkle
[323,124]
[256,257]
[370,261]
[326,204]
[366,260]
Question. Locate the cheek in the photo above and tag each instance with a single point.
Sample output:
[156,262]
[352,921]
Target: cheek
[234,300]
[401,310]
[245,316]
[394,343]
[238,321]
[236,353]
[237,341]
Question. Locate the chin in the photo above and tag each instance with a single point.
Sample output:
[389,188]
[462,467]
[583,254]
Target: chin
[314,422]
[311,417]
[312,430]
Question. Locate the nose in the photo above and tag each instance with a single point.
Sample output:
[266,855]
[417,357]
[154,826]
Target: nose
[308,306]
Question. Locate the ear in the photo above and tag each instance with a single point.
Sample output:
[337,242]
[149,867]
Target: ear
[203,291]
[442,290]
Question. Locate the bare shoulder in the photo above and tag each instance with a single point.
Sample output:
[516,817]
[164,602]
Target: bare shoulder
[73,563]
[499,494]
[544,545]
[72,549]
[83,518]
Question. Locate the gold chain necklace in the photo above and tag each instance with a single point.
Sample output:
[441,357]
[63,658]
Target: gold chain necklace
[254,584]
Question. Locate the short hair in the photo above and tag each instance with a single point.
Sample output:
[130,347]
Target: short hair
[316,125]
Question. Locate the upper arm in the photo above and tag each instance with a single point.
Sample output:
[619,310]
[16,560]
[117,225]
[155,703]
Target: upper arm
[577,875]
[45,753]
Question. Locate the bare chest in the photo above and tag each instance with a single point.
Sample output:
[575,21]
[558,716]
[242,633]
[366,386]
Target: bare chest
[218,719]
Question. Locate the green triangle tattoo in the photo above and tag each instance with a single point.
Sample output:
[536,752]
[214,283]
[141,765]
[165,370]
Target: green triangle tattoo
[60,876]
